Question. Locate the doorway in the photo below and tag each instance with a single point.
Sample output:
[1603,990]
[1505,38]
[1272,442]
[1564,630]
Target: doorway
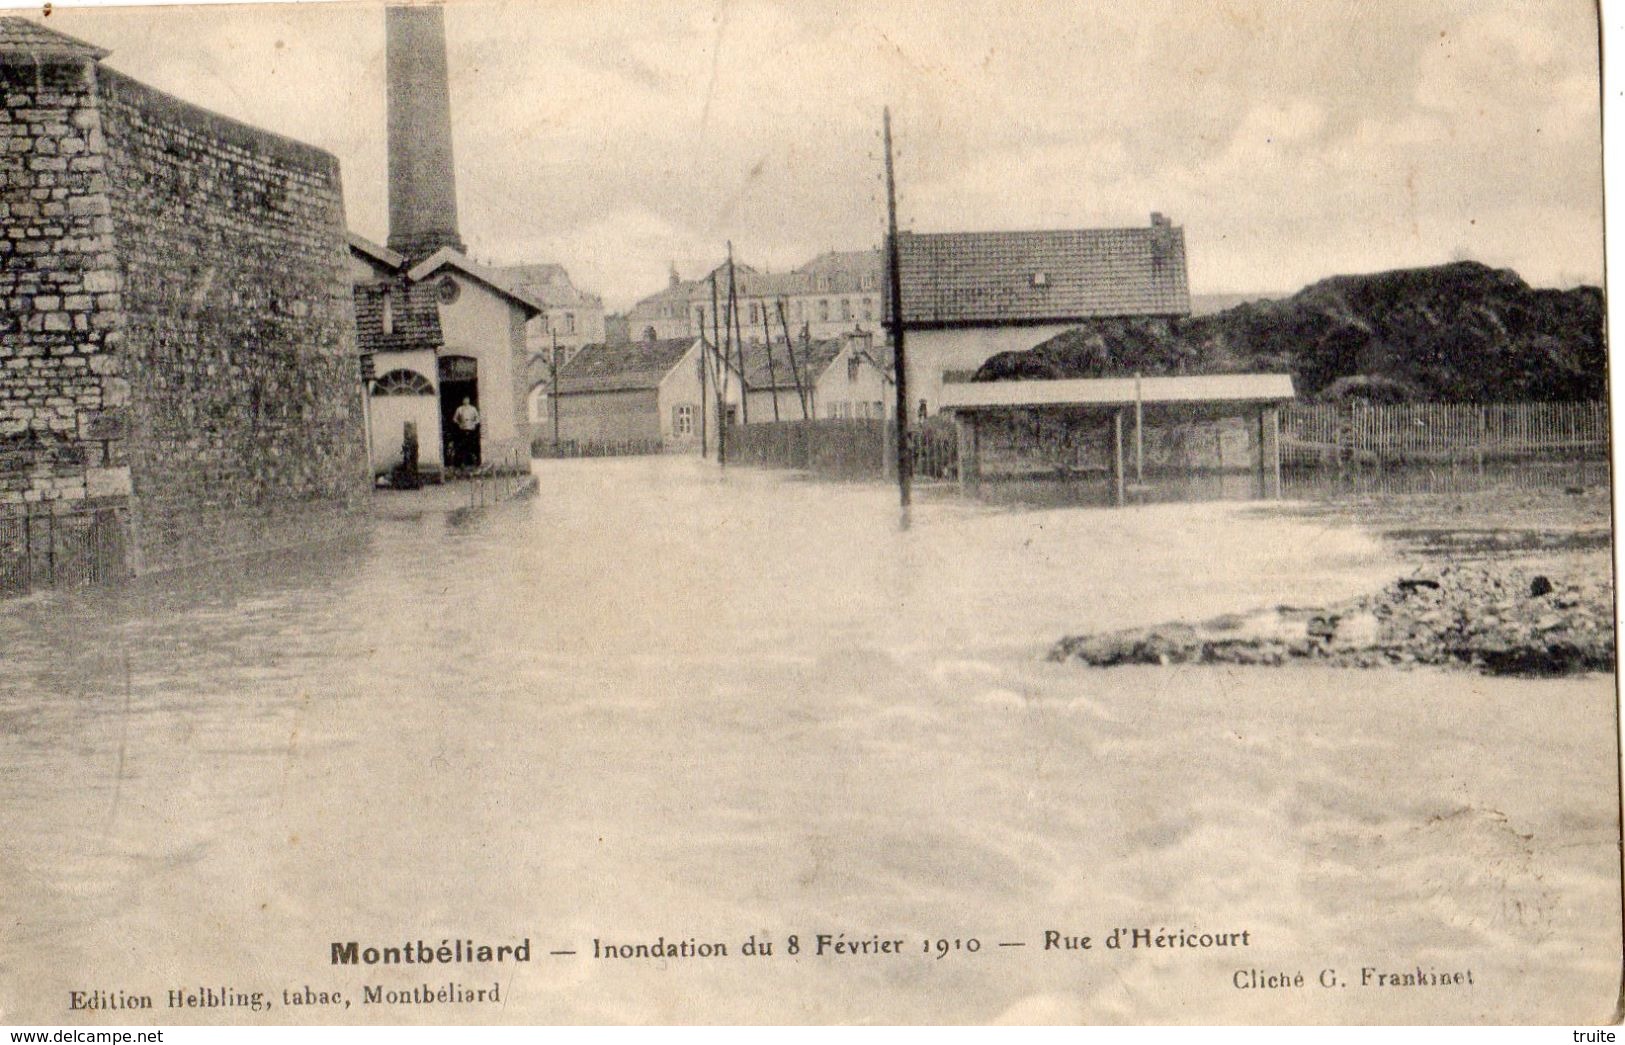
[459,383]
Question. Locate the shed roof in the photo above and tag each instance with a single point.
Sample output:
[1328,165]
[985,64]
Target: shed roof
[636,366]
[414,316]
[1237,389]
[1050,276]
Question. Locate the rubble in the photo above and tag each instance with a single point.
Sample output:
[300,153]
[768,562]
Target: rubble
[1497,617]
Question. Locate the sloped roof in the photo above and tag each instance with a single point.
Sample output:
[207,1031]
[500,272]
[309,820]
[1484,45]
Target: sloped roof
[376,251]
[631,367]
[447,257]
[24,36]
[1119,391]
[414,316]
[1060,275]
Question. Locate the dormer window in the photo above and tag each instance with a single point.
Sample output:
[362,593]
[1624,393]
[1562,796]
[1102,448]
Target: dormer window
[1040,279]
[387,320]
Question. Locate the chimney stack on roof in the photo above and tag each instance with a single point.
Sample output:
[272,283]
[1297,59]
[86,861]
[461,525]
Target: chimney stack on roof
[422,182]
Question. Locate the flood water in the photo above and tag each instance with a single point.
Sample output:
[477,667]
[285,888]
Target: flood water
[659,702]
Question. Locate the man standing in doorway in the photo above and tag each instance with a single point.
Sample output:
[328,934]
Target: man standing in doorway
[467,420]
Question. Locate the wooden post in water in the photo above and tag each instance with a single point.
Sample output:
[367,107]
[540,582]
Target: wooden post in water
[1269,448]
[1117,457]
[970,452]
[1139,435]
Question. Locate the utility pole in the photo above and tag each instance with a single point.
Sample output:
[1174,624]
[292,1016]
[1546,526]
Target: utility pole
[554,366]
[704,448]
[772,373]
[905,459]
[795,370]
[739,339]
[722,377]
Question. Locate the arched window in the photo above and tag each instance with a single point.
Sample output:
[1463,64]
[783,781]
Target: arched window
[402,383]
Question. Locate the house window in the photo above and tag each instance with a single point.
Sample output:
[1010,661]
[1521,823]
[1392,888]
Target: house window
[823,281]
[846,308]
[402,383]
[868,281]
[868,308]
[852,367]
[389,313]
[682,419]
[823,310]
[569,322]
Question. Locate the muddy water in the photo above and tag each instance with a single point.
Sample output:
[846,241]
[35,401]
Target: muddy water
[653,702]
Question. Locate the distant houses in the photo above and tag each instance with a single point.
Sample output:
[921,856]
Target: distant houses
[643,395]
[834,293]
[574,317]
[968,296]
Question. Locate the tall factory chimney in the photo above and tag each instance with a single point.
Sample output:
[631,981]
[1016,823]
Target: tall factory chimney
[422,183]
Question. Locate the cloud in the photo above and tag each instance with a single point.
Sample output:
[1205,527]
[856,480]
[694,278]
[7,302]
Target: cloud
[1291,140]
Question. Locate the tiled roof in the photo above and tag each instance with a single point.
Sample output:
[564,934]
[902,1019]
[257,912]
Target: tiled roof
[21,35]
[414,314]
[630,367]
[1016,277]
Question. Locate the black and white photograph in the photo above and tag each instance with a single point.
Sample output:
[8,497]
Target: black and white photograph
[740,512]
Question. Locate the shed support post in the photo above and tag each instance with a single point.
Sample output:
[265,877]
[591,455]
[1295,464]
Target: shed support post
[1269,452]
[1117,457]
[970,452]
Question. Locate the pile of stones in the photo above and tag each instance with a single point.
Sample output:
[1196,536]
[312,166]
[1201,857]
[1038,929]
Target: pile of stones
[1501,618]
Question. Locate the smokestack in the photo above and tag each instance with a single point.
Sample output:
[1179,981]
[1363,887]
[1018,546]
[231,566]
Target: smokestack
[422,183]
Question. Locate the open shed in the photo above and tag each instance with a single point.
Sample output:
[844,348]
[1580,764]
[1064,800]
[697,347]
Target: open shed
[1125,400]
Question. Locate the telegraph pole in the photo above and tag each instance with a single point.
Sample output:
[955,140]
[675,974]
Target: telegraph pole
[905,459]
[554,366]
[739,339]
[722,376]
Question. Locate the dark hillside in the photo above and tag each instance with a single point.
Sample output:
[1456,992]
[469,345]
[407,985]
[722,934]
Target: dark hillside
[1461,332]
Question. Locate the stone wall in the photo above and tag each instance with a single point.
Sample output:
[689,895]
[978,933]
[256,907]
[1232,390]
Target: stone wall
[239,331]
[60,388]
[178,342]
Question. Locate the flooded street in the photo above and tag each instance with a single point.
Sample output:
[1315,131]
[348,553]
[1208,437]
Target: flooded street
[655,701]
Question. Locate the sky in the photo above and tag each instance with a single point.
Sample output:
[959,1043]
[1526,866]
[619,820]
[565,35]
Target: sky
[1291,141]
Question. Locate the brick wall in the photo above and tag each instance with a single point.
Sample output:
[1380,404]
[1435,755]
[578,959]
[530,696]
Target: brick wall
[178,340]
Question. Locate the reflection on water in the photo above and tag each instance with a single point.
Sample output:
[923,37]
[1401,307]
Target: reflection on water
[656,700]
[1095,488]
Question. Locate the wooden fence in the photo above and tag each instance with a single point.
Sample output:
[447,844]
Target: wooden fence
[545,447]
[843,448]
[1322,434]
[45,550]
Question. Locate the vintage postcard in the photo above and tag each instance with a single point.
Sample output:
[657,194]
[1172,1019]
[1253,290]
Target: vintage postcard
[758,513]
